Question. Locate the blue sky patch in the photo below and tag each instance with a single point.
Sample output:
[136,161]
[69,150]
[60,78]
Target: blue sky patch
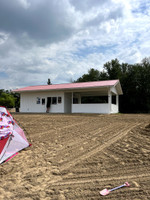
[143,8]
[91,50]
[3,75]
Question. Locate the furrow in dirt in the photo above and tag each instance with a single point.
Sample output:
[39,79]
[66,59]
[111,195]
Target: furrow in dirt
[88,142]
[144,176]
[99,148]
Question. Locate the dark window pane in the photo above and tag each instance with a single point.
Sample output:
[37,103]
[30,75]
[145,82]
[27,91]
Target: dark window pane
[54,100]
[59,99]
[43,101]
[75,100]
[38,100]
[94,99]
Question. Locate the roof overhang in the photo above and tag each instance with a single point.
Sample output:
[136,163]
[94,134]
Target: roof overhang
[73,87]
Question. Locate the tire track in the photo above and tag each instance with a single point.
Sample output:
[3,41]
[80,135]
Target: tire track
[92,134]
[144,176]
[64,127]
[118,136]
[84,143]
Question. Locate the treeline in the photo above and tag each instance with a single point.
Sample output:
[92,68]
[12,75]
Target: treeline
[9,99]
[135,83]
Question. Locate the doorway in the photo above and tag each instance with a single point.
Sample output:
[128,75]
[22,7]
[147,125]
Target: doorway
[68,102]
[48,104]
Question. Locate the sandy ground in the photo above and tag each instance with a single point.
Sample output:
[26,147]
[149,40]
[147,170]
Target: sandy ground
[73,157]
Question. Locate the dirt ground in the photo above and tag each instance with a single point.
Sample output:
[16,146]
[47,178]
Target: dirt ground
[74,157]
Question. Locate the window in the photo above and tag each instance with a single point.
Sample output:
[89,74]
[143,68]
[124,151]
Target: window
[75,100]
[59,99]
[54,100]
[43,101]
[38,100]
[94,99]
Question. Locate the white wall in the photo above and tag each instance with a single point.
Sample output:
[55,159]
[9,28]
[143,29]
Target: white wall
[113,89]
[114,108]
[29,102]
[90,108]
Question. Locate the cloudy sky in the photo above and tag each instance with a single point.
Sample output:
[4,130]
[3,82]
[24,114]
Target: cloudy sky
[63,39]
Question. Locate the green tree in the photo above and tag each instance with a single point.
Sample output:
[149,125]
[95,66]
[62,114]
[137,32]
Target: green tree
[92,75]
[7,100]
[17,99]
[113,69]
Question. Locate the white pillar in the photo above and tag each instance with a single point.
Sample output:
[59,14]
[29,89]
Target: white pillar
[109,100]
[79,97]
[72,103]
[72,98]
[117,102]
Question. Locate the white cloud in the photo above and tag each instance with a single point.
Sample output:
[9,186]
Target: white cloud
[25,3]
[61,40]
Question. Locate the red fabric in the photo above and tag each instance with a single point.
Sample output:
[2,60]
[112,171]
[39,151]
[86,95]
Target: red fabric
[2,144]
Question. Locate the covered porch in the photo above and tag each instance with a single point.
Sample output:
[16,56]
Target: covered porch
[102,100]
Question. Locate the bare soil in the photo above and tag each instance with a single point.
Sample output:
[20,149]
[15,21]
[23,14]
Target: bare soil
[74,157]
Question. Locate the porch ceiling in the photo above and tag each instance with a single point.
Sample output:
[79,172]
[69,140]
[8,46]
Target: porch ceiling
[93,92]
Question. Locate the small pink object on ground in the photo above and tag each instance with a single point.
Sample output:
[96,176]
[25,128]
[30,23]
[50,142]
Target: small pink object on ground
[106,191]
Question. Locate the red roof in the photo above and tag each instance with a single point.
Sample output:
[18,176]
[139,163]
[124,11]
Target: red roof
[66,86]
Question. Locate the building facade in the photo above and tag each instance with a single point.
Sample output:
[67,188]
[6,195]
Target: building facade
[85,97]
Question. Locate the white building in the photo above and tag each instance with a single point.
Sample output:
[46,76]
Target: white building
[85,97]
